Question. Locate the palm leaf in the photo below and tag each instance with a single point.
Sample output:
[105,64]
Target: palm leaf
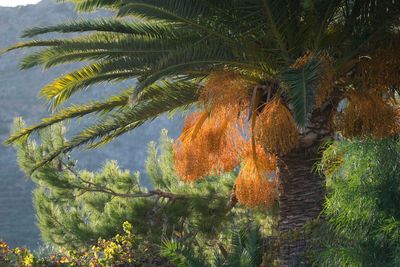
[143,28]
[99,46]
[61,89]
[187,12]
[91,5]
[192,57]
[175,95]
[34,43]
[181,256]
[302,83]
[74,111]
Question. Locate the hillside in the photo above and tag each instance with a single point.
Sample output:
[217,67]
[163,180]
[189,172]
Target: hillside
[18,97]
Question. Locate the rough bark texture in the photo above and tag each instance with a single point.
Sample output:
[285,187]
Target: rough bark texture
[301,198]
[302,190]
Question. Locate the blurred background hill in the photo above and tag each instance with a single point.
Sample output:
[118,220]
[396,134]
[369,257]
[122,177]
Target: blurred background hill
[19,97]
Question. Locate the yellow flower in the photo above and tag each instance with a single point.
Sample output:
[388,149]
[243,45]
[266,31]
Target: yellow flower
[28,260]
[64,259]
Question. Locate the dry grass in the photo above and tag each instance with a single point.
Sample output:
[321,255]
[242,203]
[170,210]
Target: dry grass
[380,68]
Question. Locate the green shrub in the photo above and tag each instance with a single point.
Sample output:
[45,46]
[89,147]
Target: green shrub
[362,207]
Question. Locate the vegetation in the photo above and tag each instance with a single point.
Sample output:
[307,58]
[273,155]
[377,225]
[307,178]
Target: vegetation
[265,77]
[121,250]
[362,209]
[245,251]
[76,208]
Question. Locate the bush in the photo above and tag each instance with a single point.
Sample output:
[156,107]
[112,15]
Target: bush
[362,207]
[122,250]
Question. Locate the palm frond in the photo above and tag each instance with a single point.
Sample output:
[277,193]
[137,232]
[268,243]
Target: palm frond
[187,12]
[74,111]
[273,25]
[99,46]
[171,250]
[34,43]
[302,83]
[157,29]
[252,244]
[180,255]
[61,89]
[237,249]
[92,5]
[324,15]
[175,96]
[192,57]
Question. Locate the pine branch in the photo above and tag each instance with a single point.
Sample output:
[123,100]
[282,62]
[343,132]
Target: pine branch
[92,187]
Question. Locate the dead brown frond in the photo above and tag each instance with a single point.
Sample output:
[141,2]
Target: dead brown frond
[256,185]
[380,68]
[327,80]
[276,129]
[368,114]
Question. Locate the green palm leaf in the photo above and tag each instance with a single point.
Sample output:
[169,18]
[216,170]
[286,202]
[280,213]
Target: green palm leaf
[61,89]
[98,46]
[183,41]
[175,95]
[302,83]
[187,12]
[143,28]
[91,5]
[34,43]
[75,111]
[193,57]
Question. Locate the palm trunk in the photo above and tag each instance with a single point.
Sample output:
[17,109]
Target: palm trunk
[302,191]
[301,198]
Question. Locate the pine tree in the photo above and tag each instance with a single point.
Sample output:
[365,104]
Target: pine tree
[77,207]
[245,251]
[282,65]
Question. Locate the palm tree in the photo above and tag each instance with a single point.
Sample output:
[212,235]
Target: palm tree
[301,57]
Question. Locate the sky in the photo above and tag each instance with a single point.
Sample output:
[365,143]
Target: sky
[17,2]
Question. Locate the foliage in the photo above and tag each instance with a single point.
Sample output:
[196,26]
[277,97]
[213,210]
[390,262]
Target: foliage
[77,207]
[362,207]
[174,49]
[181,53]
[71,208]
[121,250]
[368,114]
[245,250]
[280,63]
[15,257]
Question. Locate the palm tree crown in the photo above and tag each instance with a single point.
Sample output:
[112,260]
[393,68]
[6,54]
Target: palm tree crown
[302,53]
